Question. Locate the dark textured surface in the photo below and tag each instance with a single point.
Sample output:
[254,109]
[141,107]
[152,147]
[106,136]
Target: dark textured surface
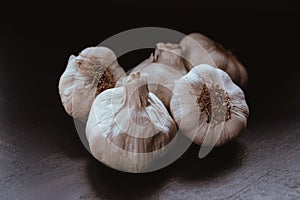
[41,155]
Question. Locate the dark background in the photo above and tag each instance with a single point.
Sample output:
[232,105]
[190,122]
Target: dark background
[41,154]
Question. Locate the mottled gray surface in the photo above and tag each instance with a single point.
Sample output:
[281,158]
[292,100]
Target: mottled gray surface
[44,159]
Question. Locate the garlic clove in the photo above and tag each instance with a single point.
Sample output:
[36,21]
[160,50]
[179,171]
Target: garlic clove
[199,49]
[94,70]
[208,107]
[129,128]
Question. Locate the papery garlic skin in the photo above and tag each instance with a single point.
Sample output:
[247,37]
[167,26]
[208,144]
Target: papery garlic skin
[161,80]
[199,49]
[94,70]
[162,69]
[129,128]
[228,112]
[167,54]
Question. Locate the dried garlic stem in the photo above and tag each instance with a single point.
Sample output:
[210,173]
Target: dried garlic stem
[170,54]
[136,91]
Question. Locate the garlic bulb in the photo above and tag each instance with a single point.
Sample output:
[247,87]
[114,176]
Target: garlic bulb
[128,127]
[162,69]
[94,70]
[208,107]
[199,49]
[167,54]
[161,81]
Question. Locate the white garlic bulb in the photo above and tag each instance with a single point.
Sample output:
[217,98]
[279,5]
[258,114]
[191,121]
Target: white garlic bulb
[199,49]
[94,70]
[208,107]
[128,127]
[162,69]
[167,54]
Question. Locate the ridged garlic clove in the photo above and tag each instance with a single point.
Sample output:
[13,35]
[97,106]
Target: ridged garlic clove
[94,70]
[199,49]
[129,128]
[208,107]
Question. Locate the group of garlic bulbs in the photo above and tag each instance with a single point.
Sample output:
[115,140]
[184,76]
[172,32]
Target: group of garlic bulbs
[132,121]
